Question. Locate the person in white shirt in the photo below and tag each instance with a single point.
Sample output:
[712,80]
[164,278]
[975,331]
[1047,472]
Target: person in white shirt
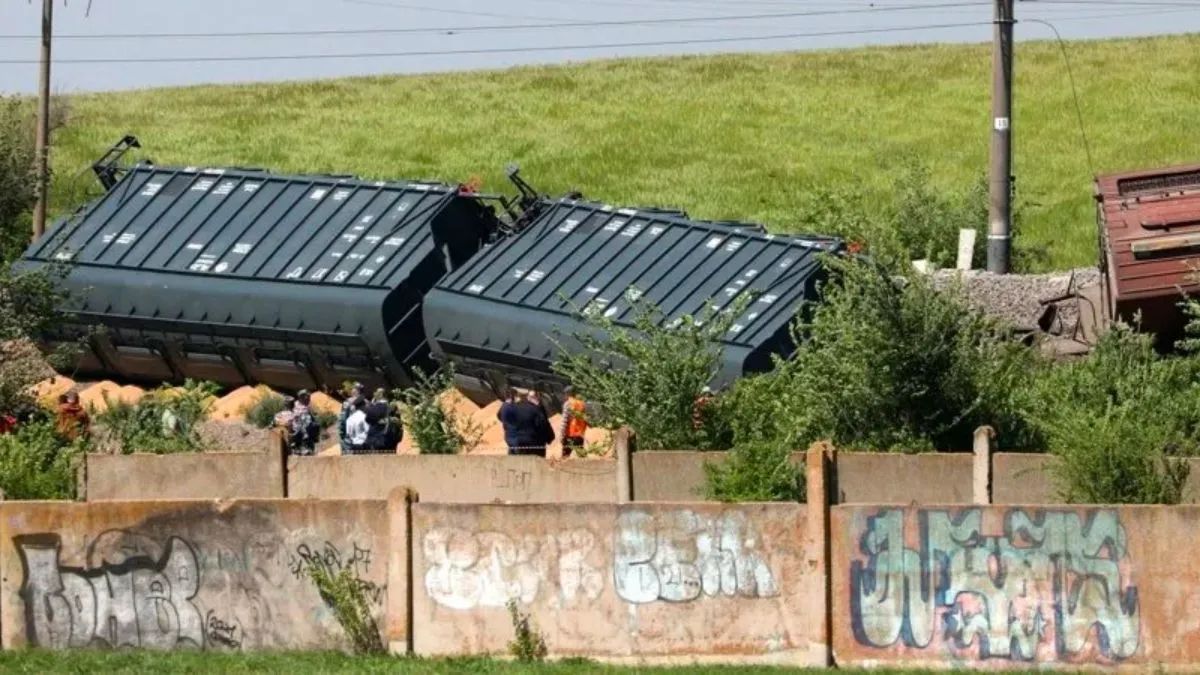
[357,426]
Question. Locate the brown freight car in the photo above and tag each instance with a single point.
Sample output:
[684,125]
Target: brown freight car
[1150,246]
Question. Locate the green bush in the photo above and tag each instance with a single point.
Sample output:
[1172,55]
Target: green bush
[435,428]
[1120,421]
[166,420]
[649,376]
[36,464]
[760,471]
[262,413]
[344,593]
[889,363]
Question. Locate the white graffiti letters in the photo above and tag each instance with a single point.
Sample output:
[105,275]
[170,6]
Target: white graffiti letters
[138,603]
[1051,580]
[488,569]
[679,555]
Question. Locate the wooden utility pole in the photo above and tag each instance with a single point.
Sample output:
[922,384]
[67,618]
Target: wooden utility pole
[1000,165]
[42,142]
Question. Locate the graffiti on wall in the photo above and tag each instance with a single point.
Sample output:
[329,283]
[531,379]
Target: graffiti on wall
[212,591]
[487,569]
[138,601]
[1050,586]
[677,556]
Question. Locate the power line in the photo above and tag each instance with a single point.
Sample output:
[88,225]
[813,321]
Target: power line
[444,10]
[1119,3]
[506,27]
[509,50]
[1062,45]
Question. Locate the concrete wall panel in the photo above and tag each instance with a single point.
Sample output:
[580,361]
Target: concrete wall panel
[184,575]
[453,478]
[671,475]
[1005,587]
[896,478]
[216,475]
[639,582]
[1021,478]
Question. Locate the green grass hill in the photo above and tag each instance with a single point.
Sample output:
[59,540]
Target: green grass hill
[731,136]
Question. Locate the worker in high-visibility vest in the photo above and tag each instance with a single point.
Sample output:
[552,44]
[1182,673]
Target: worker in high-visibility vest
[574,422]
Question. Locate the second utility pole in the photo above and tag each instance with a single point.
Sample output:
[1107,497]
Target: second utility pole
[42,142]
[999,241]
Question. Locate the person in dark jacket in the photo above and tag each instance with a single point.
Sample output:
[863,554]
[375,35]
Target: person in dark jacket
[531,427]
[383,433]
[507,421]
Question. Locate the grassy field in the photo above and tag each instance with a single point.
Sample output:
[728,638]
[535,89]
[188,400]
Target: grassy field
[331,662]
[735,136]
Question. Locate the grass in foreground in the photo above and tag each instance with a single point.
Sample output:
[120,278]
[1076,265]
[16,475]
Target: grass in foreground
[731,136]
[298,663]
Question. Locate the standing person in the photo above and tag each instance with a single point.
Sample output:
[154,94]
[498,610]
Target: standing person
[507,419]
[357,427]
[383,432]
[72,421]
[355,393]
[574,422]
[304,427]
[532,430]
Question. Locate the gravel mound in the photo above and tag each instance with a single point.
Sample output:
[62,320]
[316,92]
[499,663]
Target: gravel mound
[1018,298]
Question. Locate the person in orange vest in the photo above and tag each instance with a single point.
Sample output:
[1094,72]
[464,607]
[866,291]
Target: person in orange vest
[574,422]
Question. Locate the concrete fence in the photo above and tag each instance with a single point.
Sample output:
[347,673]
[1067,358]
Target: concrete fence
[980,477]
[862,584]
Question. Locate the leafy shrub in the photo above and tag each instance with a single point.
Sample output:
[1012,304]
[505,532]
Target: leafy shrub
[648,376]
[436,429]
[166,420]
[1120,421]
[36,464]
[262,413]
[759,471]
[528,645]
[345,594]
[888,363]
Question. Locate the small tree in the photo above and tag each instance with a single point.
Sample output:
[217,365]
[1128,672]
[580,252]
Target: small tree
[759,471]
[647,376]
[1120,422]
[436,429]
[35,464]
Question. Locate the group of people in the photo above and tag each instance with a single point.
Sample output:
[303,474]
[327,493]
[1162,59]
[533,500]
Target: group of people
[527,429]
[300,424]
[368,427]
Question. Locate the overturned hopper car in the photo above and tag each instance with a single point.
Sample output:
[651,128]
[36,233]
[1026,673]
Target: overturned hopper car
[1149,225]
[243,276]
[501,317]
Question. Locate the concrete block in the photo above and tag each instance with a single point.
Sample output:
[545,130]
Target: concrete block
[454,478]
[202,475]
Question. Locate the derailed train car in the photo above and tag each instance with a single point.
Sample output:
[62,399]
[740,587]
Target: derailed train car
[243,276]
[501,317]
[1150,246]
